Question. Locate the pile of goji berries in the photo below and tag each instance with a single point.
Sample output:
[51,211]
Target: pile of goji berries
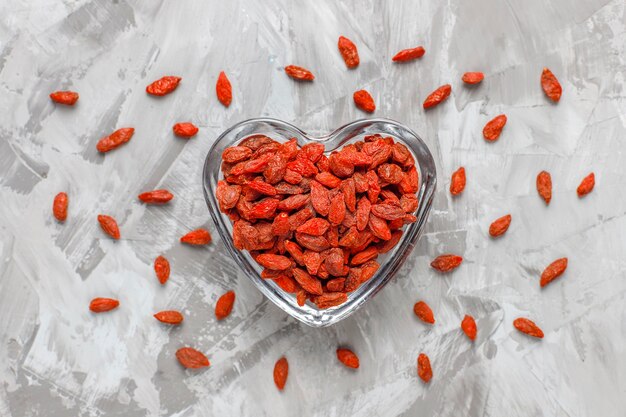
[316,223]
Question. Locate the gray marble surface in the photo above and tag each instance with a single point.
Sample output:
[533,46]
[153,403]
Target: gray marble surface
[57,359]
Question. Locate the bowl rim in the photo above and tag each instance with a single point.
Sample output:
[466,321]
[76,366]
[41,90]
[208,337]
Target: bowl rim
[307,314]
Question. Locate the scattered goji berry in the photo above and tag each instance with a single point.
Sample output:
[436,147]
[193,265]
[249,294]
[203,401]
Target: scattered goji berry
[457,184]
[69,98]
[109,226]
[551,85]
[544,186]
[115,139]
[197,237]
[224,89]
[162,269]
[527,326]
[348,358]
[500,226]
[100,305]
[169,317]
[191,358]
[299,73]
[163,86]
[409,54]
[364,101]
[330,299]
[493,128]
[469,327]
[446,263]
[553,271]
[156,197]
[224,305]
[424,370]
[424,312]
[349,52]
[586,185]
[281,372]
[473,77]
[437,96]
[186,130]
[59,207]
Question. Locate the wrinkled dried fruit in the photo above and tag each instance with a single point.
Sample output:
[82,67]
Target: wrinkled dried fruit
[330,299]
[553,271]
[364,101]
[349,52]
[59,207]
[493,128]
[500,226]
[162,269]
[424,312]
[544,186]
[409,54]
[224,305]
[169,317]
[348,358]
[191,358]
[551,85]
[100,305]
[308,283]
[163,86]
[424,371]
[299,73]
[115,139]
[274,262]
[437,96]
[586,185]
[468,325]
[156,197]
[109,226]
[68,98]
[457,184]
[281,372]
[527,326]
[473,77]
[223,89]
[314,227]
[185,130]
[446,263]
[197,237]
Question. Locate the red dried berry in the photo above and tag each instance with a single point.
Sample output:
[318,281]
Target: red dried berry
[109,226]
[299,73]
[59,207]
[307,282]
[348,358]
[409,54]
[224,305]
[224,90]
[100,305]
[492,130]
[162,269]
[115,139]
[527,326]
[169,317]
[156,197]
[457,184]
[69,98]
[553,271]
[551,85]
[469,327]
[197,237]
[281,372]
[274,262]
[446,263]
[349,52]
[424,370]
[437,96]
[500,226]
[163,86]
[185,130]
[473,77]
[191,358]
[544,186]
[424,312]
[586,185]
[364,101]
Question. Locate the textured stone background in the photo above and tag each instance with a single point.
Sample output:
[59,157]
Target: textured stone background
[57,359]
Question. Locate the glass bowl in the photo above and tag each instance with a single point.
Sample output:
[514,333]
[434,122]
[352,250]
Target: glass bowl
[389,263]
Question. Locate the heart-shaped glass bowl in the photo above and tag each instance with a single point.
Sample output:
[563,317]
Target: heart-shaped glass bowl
[389,263]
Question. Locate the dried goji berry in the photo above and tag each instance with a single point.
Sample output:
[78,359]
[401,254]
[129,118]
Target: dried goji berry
[299,73]
[327,179]
[294,202]
[388,245]
[493,128]
[224,305]
[364,101]
[68,98]
[330,299]
[409,203]
[388,211]
[348,358]
[109,226]
[223,89]
[59,207]
[315,243]
[500,226]
[379,227]
[312,261]
[286,283]
[191,358]
[473,77]
[315,227]
[337,210]
[236,154]
[320,198]
[281,372]
[551,85]
[553,271]
[301,296]
[527,326]
[410,182]
[424,370]
[162,269]
[308,283]
[275,262]
[185,130]
[364,256]
[100,305]
[437,96]
[446,263]
[469,327]
[163,86]
[457,184]
[197,237]
[544,186]
[262,187]
[586,185]
[115,139]
[348,51]
[335,284]
[409,54]
[156,197]
[169,317]
[424,312]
